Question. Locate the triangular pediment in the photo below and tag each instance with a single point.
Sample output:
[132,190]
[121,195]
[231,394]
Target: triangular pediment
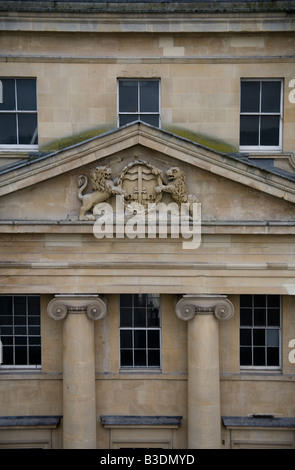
[229,188]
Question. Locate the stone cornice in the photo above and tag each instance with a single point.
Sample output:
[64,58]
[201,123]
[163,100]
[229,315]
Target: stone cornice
[117,18]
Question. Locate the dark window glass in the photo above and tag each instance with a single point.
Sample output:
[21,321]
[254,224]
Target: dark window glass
[26,94]
[250,96]
[270,130]
[27,129]
[128,96]
[8,95]
[149,96]
[249,130]
[271,97]
[8,135]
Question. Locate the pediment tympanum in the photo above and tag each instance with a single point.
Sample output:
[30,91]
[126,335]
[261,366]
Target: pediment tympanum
[138,162]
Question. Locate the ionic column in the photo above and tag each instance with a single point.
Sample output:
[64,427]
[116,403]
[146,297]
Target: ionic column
[203,313]
[79,405]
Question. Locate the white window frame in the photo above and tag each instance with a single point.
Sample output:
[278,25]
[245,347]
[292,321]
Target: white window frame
[142,79]
[133,367]
[264,148]
[264,368]
[21,366]
[18,147]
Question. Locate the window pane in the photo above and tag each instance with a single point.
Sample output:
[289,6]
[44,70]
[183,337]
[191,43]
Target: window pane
[259,300]
[246,317]
[249,130]
[259,337]
[127,119]
[139,339]
[260,317]
[270,130]
[128,96]
[273,301]
[20,355]
[250,91]
[8,356]
[273,357]
[273,317]
[273,338]
[26,94]
[126,300]
[259,356]
[245,337]
[151,119]
[8,129]
[246,301]
[140,317]
[126,338]
[149,96]
[8,95]
[20,305]
[6,305]
[140,300]
[154,358]
[34,355]
[34,305]
[140,357]
[126,358]
[153,339]
[246,356]
[126,317]
[271,97]
[27,129]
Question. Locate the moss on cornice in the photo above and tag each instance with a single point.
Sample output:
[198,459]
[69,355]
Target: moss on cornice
[69,141]
[205,140]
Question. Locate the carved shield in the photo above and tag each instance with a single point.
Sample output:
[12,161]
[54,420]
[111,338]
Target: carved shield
[139,179]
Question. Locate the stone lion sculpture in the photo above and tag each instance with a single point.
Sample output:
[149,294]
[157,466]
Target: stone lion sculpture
[103,187]
[176,186]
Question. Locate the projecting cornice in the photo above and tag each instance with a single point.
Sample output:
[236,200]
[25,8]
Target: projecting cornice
[25,174]
[147,17]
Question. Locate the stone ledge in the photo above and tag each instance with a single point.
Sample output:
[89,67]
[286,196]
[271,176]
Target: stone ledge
[261,421]
[20,421]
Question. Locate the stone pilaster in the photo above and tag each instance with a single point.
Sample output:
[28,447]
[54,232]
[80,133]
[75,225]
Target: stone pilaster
[203,313]
[79,405]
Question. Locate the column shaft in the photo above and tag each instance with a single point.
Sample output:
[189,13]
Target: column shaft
[79,410]
[203,383]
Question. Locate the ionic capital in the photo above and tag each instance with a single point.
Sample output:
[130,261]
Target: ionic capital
[94,306]
[190,305]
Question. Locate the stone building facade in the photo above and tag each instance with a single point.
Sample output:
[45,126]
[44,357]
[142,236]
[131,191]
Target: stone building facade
[147,191]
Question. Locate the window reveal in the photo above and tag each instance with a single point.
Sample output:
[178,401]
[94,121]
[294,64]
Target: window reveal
[261,114]
[18,112]
[20,330]
[260,330]
[139,100]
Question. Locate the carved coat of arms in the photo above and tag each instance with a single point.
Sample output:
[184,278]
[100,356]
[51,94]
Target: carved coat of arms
[140,183]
